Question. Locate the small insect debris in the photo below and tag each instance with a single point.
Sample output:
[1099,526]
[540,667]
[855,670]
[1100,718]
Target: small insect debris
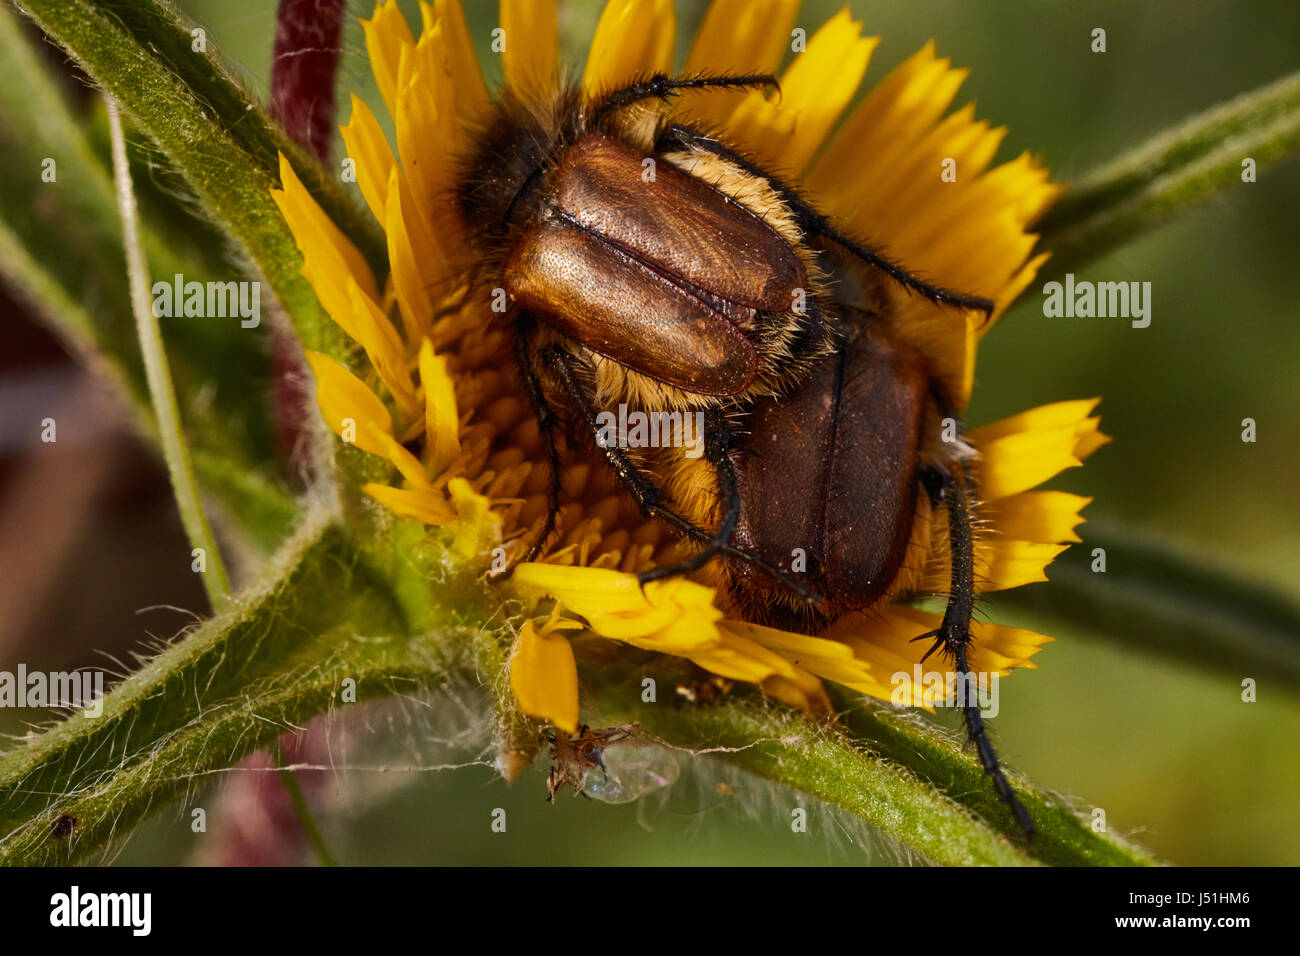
[573,756]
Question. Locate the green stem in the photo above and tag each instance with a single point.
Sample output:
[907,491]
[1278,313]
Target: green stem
[901,775]
[63,256]
[302,810]
[28,280]
[268,662]
[788,748]
[162,30]
[175,452]
[1171,172]
[791,749]
[1064,838]
[232,185]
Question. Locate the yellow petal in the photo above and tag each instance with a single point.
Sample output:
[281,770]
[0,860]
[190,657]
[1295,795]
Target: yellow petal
[1047,517]
[884,641]
[1043,417]
[462,66]
[1003,564]
[785,129]
[738,37]
[880,178]
[424,504]
[1025,450]
[918,196]
[804,691]
[677,615]
[1017,462]
[323,245]
[1090,440]
[406,463]
[794,647]
[357,415]
[430,124]
[432,273]
[386,34]
[737,659]
[441,417]
[369,150]
[1016,285]
[344,284]
[531,44]
[368,325]
[352,410]
[544,677]
[678,629]
[743,36]
[830,660]
[408,282]
[633,37]
[478,527]
[882,129]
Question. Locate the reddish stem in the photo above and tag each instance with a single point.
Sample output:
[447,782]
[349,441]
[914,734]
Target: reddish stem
[304,67]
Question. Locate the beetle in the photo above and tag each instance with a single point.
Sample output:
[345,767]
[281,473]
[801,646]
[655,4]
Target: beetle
[646,261]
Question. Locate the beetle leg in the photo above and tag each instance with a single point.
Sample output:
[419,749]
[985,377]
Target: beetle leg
[562,362]
[647,494]
[814,223]
[661,86]
[817,224]
[953,488]
[717,447]
[546,423]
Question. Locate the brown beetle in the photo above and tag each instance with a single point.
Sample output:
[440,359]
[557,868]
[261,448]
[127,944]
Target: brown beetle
[646,262]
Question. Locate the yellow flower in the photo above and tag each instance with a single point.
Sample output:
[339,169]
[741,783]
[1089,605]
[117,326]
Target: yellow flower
[441,381]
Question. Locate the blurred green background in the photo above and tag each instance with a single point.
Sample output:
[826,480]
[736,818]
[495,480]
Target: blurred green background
[1171,753]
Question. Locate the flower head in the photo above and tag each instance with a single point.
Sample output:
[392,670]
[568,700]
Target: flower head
[439,401]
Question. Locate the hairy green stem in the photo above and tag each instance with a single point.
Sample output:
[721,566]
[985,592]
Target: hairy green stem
[785,747]
[61,252]
[274,658]
[337,611]
[1064,837]
[176,453]
[232,184]
[160,28]
[257,506]
[1171,172]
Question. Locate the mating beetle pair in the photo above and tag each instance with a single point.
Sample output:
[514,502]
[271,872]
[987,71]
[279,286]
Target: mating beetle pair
[713,286]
